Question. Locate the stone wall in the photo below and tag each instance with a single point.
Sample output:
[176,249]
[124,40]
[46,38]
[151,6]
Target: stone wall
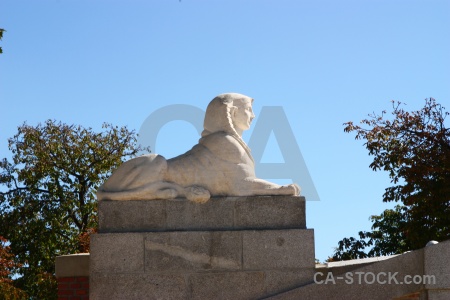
[72,270]
[228,248]
[431,261]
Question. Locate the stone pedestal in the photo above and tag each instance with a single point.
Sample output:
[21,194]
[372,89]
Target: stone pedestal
[228,248]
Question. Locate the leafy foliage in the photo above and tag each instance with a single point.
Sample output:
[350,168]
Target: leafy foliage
[7,290]
[47,204]
[387,237]
[414,148]
[1,36]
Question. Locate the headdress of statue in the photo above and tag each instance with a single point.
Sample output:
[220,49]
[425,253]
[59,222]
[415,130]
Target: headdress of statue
[218,116]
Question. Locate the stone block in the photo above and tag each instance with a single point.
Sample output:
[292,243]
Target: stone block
[438,294]
[278,249]
[230,285]
[131,216]
[270,212]
[75,265]
[278,281]
[217,213]
[226,250]
[117,253]
[189,251]
[436,263]
[137,287]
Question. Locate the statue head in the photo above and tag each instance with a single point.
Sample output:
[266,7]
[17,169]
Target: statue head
[230,112]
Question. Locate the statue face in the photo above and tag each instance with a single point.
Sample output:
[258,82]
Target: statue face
[243,115]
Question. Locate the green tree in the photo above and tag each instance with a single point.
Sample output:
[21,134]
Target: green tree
[414,148]
[47,195]
[1,36]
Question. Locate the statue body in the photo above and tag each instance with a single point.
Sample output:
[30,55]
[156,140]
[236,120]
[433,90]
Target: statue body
[219,165]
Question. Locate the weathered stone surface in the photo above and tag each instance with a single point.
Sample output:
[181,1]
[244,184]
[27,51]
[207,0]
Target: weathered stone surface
[131,216]
[189,251]
[217,213]
[75,265]
[438,294]
[221,213]
[436,261]
[137,287]
[117,253]
[278,281]
[230,285]
[270,212]
[406,264]
[278,249]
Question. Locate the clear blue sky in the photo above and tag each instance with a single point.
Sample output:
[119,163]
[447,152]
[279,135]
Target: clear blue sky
[324,62]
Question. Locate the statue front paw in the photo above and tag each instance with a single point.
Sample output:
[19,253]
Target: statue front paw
[197,194]
[291,189]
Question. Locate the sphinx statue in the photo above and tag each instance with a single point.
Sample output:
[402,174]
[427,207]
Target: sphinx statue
[220,164]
